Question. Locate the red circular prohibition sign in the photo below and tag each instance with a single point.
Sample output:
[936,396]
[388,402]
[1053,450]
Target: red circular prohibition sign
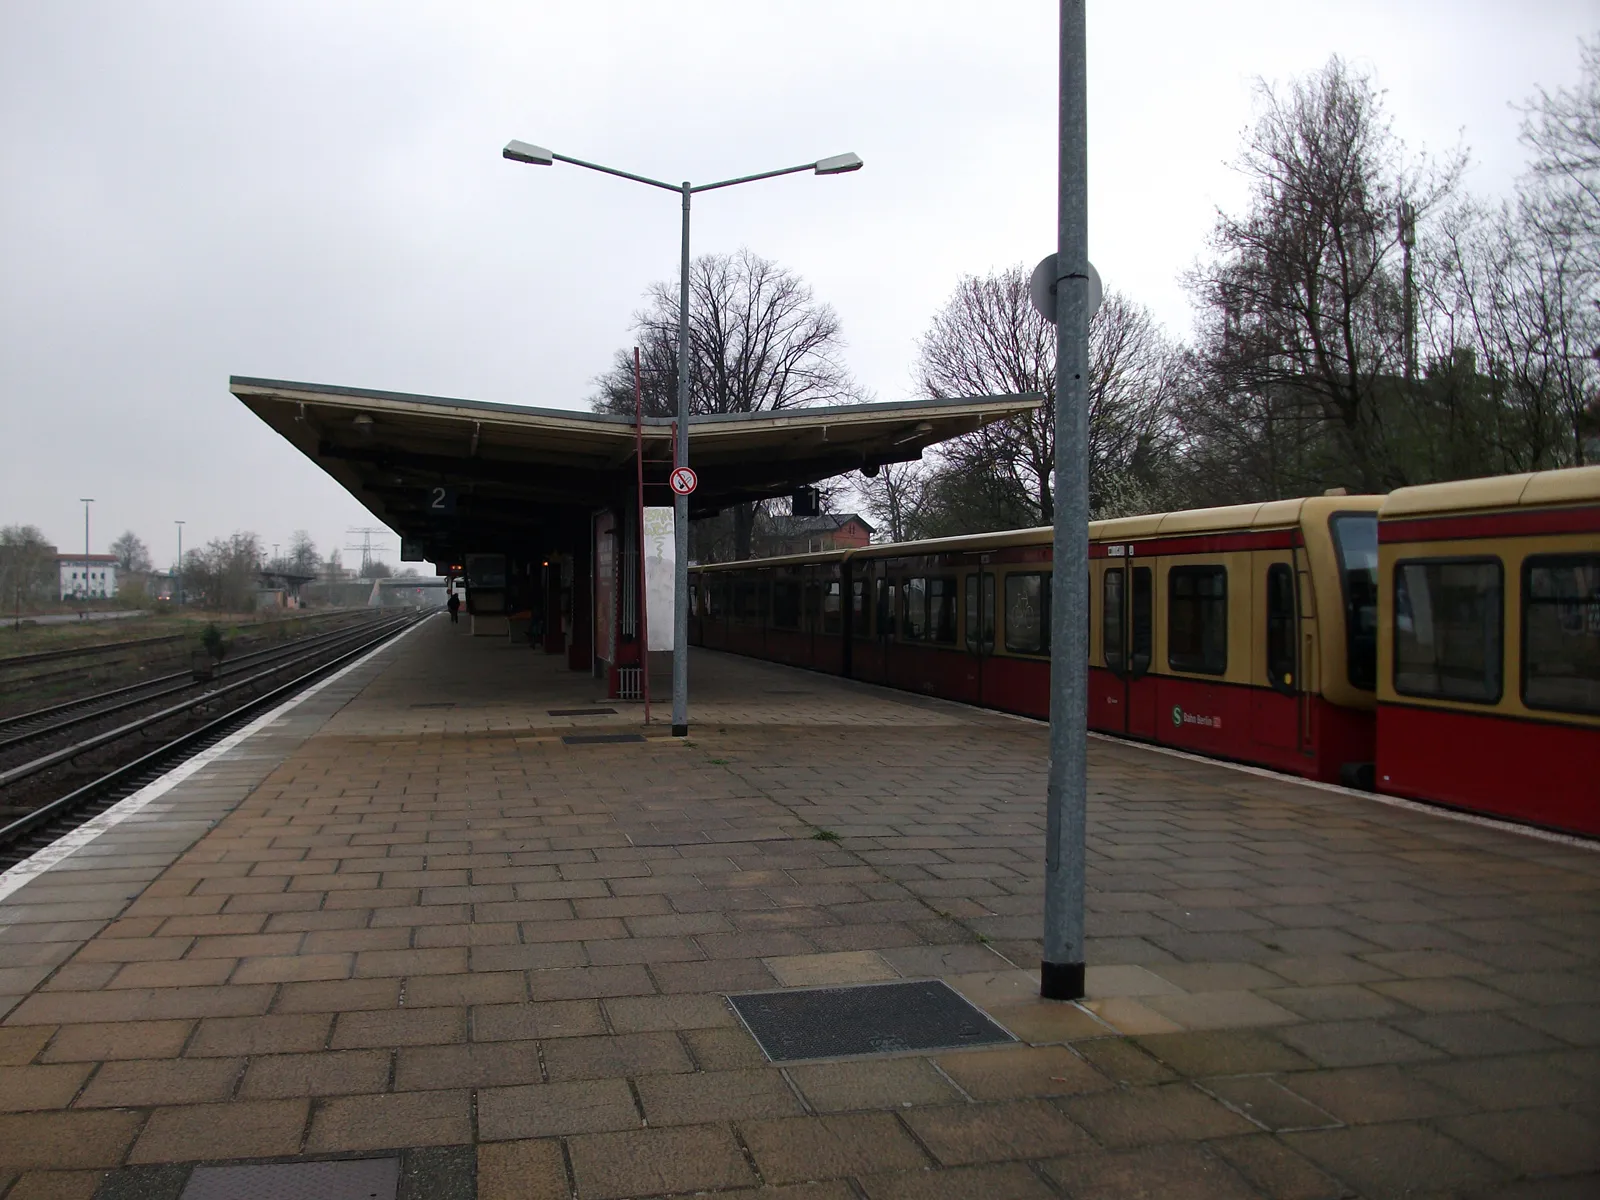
[684,480]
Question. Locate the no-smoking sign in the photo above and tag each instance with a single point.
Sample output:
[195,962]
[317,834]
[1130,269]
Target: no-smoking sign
[684,480]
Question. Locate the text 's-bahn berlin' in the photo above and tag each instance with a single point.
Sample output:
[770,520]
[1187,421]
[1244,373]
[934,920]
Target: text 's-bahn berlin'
[1138,738]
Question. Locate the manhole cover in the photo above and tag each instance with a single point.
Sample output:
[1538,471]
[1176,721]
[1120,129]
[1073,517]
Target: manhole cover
[583,712]
[352,1179]
[874,1018]
[588,739]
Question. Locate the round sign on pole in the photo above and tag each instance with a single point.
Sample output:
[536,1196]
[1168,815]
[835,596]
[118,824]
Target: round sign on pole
[684,480]
[1042,288]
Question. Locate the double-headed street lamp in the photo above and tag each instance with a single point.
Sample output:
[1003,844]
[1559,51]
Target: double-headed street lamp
[538,156]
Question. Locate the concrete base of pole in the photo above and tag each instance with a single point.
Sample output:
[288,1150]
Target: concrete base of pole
[683,731]
[1061,981]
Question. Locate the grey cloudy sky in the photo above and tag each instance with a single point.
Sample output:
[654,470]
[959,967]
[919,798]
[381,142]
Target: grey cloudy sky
[314,191]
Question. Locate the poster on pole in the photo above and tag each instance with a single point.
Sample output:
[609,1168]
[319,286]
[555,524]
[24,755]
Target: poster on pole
[660,558]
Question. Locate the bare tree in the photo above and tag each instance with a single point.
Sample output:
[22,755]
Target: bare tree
[759,341]
[989,340]
[893,499]
[303,554]
[133,556]
[27,566]
[1302,304]
[223,574]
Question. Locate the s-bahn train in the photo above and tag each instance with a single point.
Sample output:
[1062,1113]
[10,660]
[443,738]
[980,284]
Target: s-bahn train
[1440,643]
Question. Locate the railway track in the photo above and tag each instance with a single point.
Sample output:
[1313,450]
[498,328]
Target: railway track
[42,723]
[48,812]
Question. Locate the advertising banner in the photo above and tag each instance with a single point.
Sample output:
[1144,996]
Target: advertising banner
[660,558]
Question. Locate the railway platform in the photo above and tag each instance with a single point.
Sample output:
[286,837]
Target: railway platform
[437,922]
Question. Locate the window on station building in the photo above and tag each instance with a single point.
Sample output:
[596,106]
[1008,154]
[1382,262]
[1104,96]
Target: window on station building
[942,611]
[1197,620]
[1447,629]
[1028,613]
[980,613]
[1355,538]
[915,628]
[1113,619]
[1561,632]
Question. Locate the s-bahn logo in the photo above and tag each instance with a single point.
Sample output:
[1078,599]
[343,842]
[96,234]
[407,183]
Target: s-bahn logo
[1181,718]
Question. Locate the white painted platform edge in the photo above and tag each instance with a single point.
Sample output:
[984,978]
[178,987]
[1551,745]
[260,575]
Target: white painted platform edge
[43,859]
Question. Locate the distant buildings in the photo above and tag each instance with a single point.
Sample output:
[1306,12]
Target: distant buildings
[811,535]
[87,577]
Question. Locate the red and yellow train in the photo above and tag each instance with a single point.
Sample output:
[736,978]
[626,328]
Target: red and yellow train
[1440,643]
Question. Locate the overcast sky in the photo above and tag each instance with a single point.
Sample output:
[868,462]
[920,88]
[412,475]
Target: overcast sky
[314,191]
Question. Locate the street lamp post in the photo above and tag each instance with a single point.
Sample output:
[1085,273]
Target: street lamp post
[177,575]
[838,164]
[86,501]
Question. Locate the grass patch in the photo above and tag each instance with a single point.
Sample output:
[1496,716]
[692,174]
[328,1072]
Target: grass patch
[824,835]
[719,762]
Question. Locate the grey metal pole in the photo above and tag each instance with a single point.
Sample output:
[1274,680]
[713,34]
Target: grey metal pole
[1061,968]
[680,506]
[179,580]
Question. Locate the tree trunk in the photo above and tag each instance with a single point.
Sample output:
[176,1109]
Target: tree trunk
[744,520]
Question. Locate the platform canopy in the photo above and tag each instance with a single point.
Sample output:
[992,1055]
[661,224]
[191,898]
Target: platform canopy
[457,476]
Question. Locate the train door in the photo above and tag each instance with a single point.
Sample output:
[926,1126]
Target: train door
[1276,709]
[977,601]
[886,605]
[1139,647]
[1127,614]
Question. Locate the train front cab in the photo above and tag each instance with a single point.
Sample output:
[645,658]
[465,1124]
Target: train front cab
[1489,647]
[1246,633]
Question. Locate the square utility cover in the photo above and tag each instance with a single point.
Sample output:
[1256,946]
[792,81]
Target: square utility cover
[351,1179]
[873,1018]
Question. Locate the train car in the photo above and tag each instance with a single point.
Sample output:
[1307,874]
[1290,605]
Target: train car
[1246,632]
[1489,648]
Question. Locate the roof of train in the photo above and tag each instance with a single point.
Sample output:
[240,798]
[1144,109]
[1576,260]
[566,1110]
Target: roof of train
[1568,486]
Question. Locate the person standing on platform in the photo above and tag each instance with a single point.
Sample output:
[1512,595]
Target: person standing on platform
[454,605]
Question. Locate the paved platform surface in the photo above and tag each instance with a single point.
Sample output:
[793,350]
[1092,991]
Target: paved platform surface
[407,917]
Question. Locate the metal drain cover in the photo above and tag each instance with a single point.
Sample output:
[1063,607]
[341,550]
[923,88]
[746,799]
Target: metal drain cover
[589,739]
[351,1179]
[871,1018]
[582,712]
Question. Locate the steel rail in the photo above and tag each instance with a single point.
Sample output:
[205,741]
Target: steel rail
[56,757]
[59,808]
[66,706]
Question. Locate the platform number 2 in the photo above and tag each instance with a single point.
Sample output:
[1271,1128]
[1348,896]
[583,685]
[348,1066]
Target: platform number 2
[441,500]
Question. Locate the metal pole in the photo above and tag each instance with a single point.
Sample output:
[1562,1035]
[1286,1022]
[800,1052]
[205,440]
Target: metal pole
[179,580]
[644,605]
[86,504]
[680,503]
[1061,968]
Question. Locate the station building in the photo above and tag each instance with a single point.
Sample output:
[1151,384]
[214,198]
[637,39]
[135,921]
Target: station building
[539,512]
[87,576]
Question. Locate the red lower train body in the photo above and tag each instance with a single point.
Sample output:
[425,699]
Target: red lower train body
[1298,734]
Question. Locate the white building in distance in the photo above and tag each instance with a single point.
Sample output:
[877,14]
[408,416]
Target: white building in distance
[92,577]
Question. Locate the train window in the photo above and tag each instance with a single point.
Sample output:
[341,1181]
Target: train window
[1447,628]
[980,613]
[860,618]
[744,602]
[785,604]
[942,611]
[1281,631]
[916,597]
[1113,620]
[830,608]
[1197,620]
[886,613]
[1561,632]
[1028,614]
[812,616]
[1143,621]
[1355,538]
